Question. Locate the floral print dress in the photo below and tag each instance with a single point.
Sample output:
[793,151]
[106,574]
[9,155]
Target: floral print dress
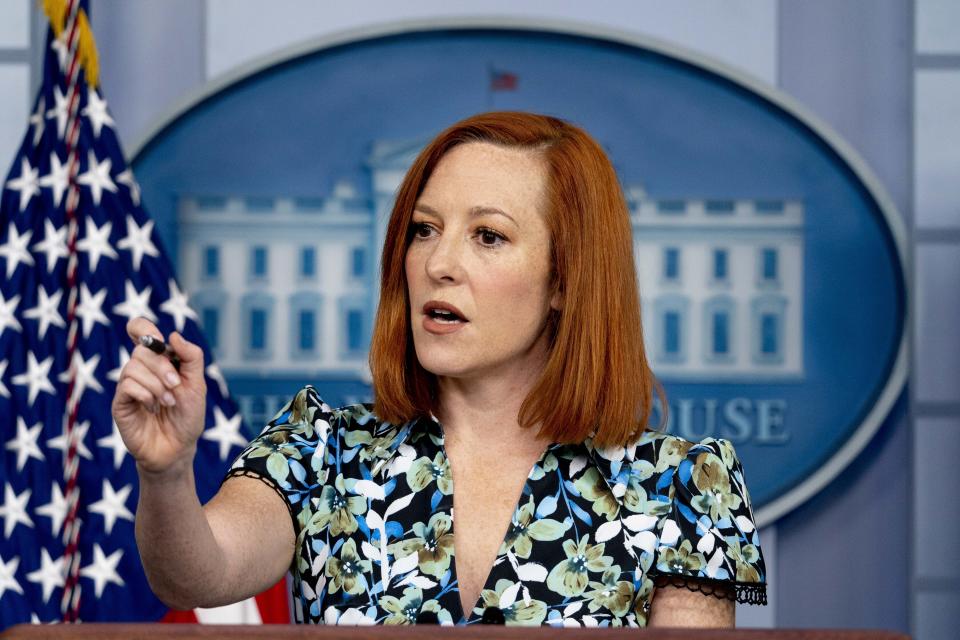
[593,533]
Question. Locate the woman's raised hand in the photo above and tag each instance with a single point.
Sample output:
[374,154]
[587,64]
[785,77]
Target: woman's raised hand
[158,410]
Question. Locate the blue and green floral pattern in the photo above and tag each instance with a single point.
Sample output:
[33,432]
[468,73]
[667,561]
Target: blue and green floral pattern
[372,508]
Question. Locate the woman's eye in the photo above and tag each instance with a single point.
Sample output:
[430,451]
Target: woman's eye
[489,237]
[422,230]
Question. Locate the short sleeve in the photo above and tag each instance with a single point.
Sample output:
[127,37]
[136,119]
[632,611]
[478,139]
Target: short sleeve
[708,541]
[289,453]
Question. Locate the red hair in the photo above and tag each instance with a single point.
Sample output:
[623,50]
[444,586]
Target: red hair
[597,381]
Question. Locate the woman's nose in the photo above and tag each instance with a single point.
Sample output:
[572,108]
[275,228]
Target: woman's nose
[444,261]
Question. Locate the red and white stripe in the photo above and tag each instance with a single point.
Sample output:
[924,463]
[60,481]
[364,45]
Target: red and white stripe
[270,607]
[70,603]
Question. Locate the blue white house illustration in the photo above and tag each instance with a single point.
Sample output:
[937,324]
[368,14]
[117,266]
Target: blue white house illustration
[286,288]
[722,286]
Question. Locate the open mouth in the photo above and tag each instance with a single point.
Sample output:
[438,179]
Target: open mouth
[443,313]
[444,317]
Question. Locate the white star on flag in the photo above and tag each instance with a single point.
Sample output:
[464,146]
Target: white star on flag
[3,388]
[103,569]
[8,317]
[86,377]
[176,305]
[57,179]
[96,242]
[138,242]
[62,368]
[96,110]
[15,249]
[114,442]
[90,309]
[112,505]
[47,310]
[26,184]
[126,179]
[214,373]
[25,443]
[38,121]
[135,305]
[49,575]
[53,245]
[225,433]
[97,177]
[56,509]
[59,111]
[37,376]
[114,374]
[59,47]
[8,576]
[14,509]
[60,442]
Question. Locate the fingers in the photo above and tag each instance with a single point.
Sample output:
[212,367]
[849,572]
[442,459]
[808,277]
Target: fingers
[137,327]
[191,356]
[159,364]
[153,378]
[130,388]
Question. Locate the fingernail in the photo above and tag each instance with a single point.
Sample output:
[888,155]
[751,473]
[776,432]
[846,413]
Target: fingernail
[173,379]
[168,399]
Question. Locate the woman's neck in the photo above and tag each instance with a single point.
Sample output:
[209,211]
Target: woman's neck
[486,409]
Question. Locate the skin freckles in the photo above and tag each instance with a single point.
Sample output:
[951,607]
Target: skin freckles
[494,267]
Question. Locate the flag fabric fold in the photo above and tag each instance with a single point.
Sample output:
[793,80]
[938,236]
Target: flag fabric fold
[79,257]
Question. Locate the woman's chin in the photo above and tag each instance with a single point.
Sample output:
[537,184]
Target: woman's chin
[443,369]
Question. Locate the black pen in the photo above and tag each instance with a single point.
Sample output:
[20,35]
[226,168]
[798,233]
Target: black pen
[162,348]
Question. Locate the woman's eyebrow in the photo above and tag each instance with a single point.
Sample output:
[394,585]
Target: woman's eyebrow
[474,212]
[426,209]
[487,211]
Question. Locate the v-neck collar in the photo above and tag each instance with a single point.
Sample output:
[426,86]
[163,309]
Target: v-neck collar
[387,443]
[612,462]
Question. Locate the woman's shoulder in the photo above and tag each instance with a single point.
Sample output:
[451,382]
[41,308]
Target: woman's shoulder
[295,444]
[706,529]
[665,451]
[307,406]
[308,414]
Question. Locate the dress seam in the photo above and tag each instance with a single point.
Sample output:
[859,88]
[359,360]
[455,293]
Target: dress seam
[741,592]
[250,473]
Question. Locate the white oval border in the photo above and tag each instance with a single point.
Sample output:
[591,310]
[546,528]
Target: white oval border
[797,495]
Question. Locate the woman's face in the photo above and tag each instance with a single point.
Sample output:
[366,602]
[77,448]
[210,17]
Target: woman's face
[478,264]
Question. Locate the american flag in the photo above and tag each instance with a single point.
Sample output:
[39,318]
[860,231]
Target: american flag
[502,80]
[79,257]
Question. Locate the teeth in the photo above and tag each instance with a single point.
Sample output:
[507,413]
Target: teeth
[444,316]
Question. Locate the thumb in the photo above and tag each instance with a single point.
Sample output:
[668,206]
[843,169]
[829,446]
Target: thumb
[191,357]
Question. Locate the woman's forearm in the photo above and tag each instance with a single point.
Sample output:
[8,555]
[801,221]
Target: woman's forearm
[181,556]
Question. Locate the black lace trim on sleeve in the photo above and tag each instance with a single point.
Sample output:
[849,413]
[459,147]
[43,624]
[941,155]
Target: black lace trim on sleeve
[247,473]
[742,592]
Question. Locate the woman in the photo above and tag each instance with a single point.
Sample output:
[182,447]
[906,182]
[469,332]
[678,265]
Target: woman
[507,362]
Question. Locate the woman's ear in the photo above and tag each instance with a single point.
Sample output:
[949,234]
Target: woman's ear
[556,302]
